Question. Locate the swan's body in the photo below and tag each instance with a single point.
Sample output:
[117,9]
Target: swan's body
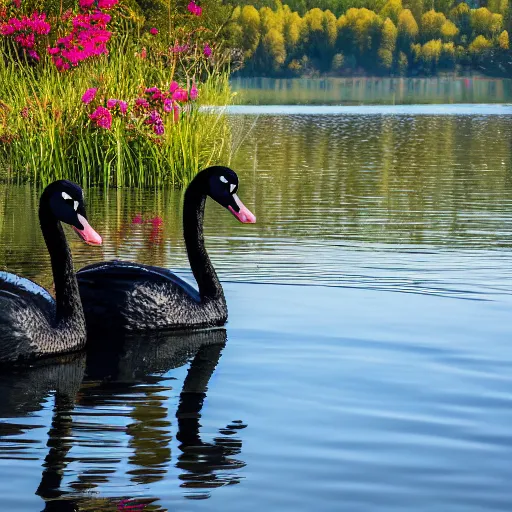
[128,296]
[32,323]
[138,297]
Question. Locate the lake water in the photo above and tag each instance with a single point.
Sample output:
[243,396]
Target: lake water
[372,90]
[367,362]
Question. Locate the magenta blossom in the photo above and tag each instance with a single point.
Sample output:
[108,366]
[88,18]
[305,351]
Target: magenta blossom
[123,106]
[153,31]
[102,117]
[207,50]
[173,86]
[194,93]
[137,219]
[155,92]
[141,102]
[107,4]
[17,3]
[180,95]
[111,103]
[89,95]
[86,4]
[194,8]
[168,103]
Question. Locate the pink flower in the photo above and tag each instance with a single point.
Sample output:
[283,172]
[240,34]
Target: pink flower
[123,107]
[33,54]
[88,95]
[107,4]
[111,104]
[194,8]
[137,219]
[141,102]
[207,50]
[153,31]
[194,93]
[156,221]
[86,4]
[168,105]
[155,91]
[173,87]
[17,3]
[176,112]
[102,117]
[180,95]
[53,51]
[143,53]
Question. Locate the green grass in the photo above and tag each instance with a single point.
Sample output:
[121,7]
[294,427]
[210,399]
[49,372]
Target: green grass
[56,139]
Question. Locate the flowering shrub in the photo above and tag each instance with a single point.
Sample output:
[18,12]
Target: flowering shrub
[25,31]
[87,86]
[150,109]
[87,38]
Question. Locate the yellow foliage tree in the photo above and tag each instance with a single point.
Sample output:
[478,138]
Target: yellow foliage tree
[392,10]
[484,22]
[249,21]
[330,28]
[431,24]
[273,44]
[449,30]
[407,26]
[389,35]
[479,45]
[292,28]
[503,40]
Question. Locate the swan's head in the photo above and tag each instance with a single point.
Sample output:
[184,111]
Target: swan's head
[66,201]
[222,187]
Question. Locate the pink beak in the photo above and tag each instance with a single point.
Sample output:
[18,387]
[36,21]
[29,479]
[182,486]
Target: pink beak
[244,215]
[88,235]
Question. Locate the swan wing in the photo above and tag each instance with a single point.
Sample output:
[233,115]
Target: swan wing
[22,290]
[123,275]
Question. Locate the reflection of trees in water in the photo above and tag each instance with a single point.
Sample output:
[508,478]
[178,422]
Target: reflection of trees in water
[368,178]
[134,378]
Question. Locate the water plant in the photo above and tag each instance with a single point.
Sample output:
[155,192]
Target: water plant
[95,96]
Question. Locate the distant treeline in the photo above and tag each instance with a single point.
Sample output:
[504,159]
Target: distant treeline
[388,38]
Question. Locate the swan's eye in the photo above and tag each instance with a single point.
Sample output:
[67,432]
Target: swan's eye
[223,179]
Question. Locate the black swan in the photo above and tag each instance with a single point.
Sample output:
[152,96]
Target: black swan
[32,323]
[127,296]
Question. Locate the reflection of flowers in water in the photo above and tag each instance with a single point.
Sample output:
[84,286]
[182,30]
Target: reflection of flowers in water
[156,234]
[128,505]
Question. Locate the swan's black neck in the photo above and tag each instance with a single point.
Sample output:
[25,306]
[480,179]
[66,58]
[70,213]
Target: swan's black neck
[67,296]
[202,268]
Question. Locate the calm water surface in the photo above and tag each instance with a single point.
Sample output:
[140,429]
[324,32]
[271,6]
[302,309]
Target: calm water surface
[367,362]
[372,90]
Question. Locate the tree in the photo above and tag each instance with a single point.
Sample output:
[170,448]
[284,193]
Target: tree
[430,54]
[461,16]
[337,62]
[448,30]
[392,10]
[249,21]
[292,29]
[403,63]
[273,44]
[479,46]
[431,24]
[484,22]
[503,40]
[407,29]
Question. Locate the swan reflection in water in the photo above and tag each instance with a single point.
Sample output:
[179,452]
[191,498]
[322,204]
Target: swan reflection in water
[91,390]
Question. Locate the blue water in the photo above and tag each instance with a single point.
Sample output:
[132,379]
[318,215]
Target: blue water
[367,361]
